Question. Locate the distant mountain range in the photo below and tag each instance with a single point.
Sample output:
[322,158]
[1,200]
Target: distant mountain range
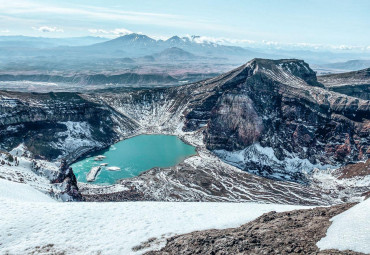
[137,45]
[141,53]
[350,65]
[132,45]
[129,53]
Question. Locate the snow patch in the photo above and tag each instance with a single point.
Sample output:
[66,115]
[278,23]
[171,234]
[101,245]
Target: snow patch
[347,189]
[77,137]
[350,230]
[265,155]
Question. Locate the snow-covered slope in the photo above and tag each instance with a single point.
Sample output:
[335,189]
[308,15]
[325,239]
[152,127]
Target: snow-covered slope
[109,228]
[350,230]
[48,177]
[21,192]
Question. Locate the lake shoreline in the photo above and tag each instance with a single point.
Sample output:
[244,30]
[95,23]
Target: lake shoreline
[135,155]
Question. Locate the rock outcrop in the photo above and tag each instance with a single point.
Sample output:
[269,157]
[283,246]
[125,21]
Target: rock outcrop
[69,181]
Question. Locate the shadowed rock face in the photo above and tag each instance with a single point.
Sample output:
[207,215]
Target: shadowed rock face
[280,105]
[295,232]
[234,123]
[46,122]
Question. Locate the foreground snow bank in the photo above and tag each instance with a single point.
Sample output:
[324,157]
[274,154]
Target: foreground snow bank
[109,228]
[350,230]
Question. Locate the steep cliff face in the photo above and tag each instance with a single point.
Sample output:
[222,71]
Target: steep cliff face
[277,118]
[144,110]
[53,125]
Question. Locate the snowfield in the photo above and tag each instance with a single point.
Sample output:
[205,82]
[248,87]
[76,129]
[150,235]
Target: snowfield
[29,218]
[350,230]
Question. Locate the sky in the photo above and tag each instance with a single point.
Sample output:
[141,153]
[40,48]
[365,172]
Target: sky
[339,24]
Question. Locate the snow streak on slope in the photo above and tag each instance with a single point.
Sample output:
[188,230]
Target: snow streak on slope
[109,228]
[255,154]
[76,139]
[350,230]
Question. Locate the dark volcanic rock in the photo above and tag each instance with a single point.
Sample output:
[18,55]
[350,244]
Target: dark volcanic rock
[279,104]
[44,121]
[67,177]
[294,232]
[293,117]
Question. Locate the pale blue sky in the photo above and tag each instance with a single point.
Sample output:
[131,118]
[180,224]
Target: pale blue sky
[317,23]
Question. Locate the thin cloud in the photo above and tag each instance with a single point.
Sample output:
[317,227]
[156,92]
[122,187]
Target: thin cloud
[113,33]
[5,31]
[313,46]
[108,14]
[218,40]
[47,29]
[23,7]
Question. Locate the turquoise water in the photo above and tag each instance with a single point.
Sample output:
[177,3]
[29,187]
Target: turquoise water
[134,156]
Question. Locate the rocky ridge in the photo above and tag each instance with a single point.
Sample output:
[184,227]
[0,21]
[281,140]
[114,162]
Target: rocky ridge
[95,79]
[355,83]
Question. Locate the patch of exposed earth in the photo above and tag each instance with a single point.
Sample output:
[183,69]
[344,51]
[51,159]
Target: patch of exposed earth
[294,232]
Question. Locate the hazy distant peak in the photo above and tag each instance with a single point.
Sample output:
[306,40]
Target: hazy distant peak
[135,37]
[174,39]
[174,53]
